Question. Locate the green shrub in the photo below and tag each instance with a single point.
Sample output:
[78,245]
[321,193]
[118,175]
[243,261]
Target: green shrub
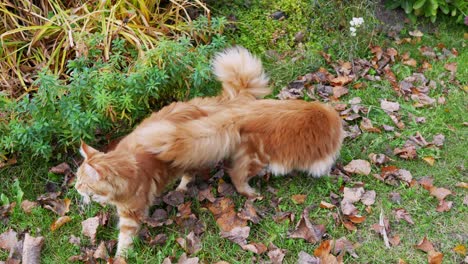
[101,96]
[432,8]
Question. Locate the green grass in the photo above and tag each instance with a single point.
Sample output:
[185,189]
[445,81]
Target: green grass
[326,28]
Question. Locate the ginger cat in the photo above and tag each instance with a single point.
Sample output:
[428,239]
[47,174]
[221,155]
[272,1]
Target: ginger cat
[280,136]
[130,176]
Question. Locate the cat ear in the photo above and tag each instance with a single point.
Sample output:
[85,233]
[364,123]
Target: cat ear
[91,172]
[87,151]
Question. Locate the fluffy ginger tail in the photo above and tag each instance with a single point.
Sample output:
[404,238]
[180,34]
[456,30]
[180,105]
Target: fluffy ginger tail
[240,72]
[194,144]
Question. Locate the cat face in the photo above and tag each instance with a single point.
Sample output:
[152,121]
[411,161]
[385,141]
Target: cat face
[91,182]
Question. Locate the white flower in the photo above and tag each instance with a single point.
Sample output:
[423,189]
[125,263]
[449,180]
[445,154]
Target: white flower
[356,21]
[352,29]
[353,34]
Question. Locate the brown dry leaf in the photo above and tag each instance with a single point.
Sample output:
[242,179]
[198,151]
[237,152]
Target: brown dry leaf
[5,211]
[32,249]
[305,258]
[438,140]
[434,257]
[439,193]
[62,168]
[185,260]
[101,251]
[462,185]
[225,215]
[357,219]
[225,189]
[237,235]
[323,253]
[410,62]
[74,240]
[191,244]
[89,228]
[425,245]
[401,213]
[378,159]
[174,198]
[451,67]
[339,91]
[249,212]
[27,206]
[341,80]
[282,216]
[8,240]
[326,205]
[50,201]
[390,76]
[158,218]
[408,152]
[299,198]
[60,222]
[389,106]
[395,197]
[347,207]
[368,198]
[429,160]
[444,206]
[460,249]
[426,182]
[349,225]
[276,255]
[257,248]
[366,125]
[159,239]
[306,230]
[358,167]
[395,240]
[206,194]
[416,33]
[342,245]
[353,194]
[9,162]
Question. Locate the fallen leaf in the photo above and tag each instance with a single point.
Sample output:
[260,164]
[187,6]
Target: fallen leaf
[276,255]
[299,198]
[349,225]
[191,244]
[357,219]
[306,230]
[174,198]
[282,216]
[52,202]
[101,251]
[353,194]
[395,197]
[225,215]
[395,240]
[305,258]
[225,189]
[257,248]
[159,239]
[366,125]
[343,245]
[9,162]
[32,249]
[416,33]
[389,106]
[434,257]
[408,152]
[60,222]
[426,182]
[89,228]
[444,206]
[347,207]
[27,206]
[158,218]
[185,260]
[341,80]
[206,194]
[460,249]
[452,67]
[358,167]
[74,240]
[339,91]
[323,253]
[429,160]
[368,198]
[438,140]
[8,240]
[401,213]
[237,235]
[439,193]
[249,212]
[326,205]
[462,185]
[62,168]
[425,245]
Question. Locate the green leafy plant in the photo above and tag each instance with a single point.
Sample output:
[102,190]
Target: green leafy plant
[431,8]
[104,95]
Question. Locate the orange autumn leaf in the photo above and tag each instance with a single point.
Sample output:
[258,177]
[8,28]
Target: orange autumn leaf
[429,160]
[59,222]
[434,257]
[460,249]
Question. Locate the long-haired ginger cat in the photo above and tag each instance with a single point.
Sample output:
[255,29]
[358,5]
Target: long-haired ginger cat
[130,176]
[280,136]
